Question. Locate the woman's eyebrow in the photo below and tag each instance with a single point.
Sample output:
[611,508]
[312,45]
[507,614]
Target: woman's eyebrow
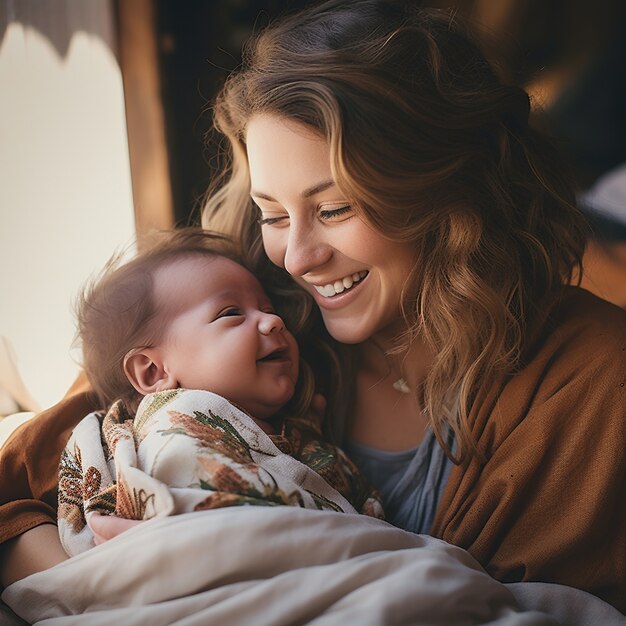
[323,186]
[307,193]
[263,196]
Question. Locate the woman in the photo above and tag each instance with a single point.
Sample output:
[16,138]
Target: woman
[378,160]
[391,174]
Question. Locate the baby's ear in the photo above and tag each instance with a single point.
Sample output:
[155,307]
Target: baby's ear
[147,372]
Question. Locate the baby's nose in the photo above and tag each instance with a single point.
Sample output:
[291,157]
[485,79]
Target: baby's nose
[270,322]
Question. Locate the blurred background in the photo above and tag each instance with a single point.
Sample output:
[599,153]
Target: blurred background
[105,132]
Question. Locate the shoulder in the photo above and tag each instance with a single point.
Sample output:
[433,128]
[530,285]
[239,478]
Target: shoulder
[575,372]
[573,383]
[582,312]
[583,336]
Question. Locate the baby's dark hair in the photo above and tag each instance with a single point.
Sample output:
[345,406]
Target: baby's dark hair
[117,310]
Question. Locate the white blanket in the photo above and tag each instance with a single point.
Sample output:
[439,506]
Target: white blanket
[284,565]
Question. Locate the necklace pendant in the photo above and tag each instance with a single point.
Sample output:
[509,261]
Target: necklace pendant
[402,386]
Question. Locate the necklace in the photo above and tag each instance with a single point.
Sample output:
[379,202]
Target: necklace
[401,385]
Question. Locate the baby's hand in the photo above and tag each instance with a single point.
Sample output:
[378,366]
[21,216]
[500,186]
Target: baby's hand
[318,406]
[317,409]
[105,527]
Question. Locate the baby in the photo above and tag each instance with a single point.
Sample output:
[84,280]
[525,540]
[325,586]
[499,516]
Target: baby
[206,402]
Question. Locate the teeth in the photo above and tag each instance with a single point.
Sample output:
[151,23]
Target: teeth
[341,285]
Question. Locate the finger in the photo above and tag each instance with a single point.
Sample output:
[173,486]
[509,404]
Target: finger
[318,404]
[105,527]
[97,539]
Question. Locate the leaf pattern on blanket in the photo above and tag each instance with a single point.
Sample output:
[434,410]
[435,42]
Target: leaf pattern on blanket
[103,502]
[219,474]
[324,504]
[227,467]
[71,489]
[219,499]
[237,485]
[133,503]
[154,403]
[211,431]
[332,464]
[117,425]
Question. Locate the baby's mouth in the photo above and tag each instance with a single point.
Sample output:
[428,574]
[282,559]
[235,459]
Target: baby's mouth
[340,286]
[279,354]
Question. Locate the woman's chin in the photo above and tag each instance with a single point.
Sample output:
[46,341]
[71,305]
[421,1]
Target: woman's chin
[360,328]
[347,331]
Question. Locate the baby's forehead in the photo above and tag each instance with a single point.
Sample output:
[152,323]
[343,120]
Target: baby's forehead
[197,275]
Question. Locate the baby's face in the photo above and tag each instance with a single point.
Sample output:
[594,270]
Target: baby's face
[223,335]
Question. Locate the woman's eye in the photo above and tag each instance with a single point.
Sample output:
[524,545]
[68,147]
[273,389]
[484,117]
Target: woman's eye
[270,221]
[338,214]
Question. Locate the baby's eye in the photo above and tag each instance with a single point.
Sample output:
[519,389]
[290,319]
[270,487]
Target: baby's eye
[232,311]
[336,215]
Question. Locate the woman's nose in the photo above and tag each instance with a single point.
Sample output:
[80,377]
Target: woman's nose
[306,249]
[269,323]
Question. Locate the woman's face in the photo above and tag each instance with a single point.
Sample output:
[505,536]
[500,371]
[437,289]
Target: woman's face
[354,273]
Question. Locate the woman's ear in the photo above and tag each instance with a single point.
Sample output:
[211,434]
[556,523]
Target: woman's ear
[146,371]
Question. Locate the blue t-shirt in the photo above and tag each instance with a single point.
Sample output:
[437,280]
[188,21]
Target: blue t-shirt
[411,482]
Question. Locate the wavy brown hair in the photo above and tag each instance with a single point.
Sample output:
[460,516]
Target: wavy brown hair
[433,149]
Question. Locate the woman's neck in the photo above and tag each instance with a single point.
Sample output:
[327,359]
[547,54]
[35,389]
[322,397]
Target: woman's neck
[388,412]
[383,355]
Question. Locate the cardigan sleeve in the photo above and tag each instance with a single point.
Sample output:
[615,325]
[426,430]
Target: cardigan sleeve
[30,460]
[548,504]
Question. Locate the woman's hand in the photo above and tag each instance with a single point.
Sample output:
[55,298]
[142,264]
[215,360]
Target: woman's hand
[34,551]
[105,527]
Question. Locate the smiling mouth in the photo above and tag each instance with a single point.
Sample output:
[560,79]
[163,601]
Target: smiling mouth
[342,285]
[280,354]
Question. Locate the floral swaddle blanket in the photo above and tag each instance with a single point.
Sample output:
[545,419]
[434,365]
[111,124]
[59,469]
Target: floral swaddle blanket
[189,450]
